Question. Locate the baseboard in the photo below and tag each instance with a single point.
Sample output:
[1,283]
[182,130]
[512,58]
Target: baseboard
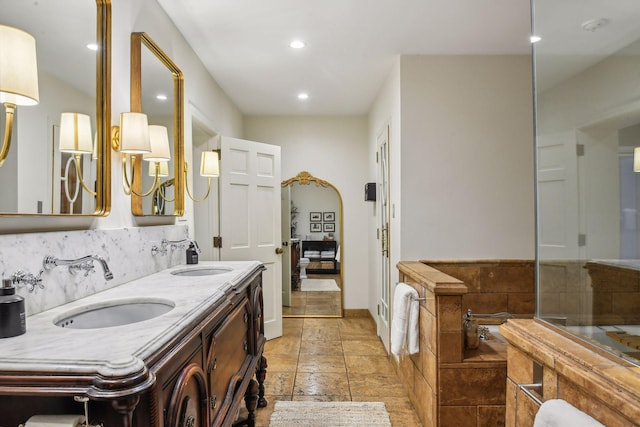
[357,312]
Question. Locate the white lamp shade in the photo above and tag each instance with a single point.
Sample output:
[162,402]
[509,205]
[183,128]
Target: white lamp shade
[75,133]
[210,164]
[164,168]
[636,159]
[18,67]
[159,139]
[134,133]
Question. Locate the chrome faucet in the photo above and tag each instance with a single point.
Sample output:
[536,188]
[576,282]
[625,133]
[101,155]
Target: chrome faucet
[173,244]
[31,281]
[85,263]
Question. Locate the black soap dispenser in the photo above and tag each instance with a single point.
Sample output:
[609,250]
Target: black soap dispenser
[13,320]
[192,254]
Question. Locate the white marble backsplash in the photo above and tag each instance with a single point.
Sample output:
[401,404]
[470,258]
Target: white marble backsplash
[126,250]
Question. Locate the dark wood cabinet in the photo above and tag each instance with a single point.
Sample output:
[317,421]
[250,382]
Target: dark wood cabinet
[322,256]
[199,379]
[295,264]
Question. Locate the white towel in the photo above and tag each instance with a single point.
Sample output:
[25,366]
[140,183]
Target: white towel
[559,413]
[405,335]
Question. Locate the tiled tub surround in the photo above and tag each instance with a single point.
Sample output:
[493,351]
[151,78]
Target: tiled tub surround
[120,352]
[126,250]
[447,384]
[495,285]
[603,386]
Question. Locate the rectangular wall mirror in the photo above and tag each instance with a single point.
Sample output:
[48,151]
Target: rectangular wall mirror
[157,91]
[55,163]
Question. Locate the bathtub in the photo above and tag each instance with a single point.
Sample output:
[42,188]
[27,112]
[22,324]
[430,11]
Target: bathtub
[493,329]
[599,334]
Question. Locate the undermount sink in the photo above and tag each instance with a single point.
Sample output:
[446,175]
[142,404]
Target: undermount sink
[114,313]
[201,271]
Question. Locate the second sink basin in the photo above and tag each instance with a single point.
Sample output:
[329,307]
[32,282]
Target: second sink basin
[114,313]
[201,271]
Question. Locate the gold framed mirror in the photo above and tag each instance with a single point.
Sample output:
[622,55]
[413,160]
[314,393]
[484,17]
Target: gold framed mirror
[42,174]
[315,287]
[157,90]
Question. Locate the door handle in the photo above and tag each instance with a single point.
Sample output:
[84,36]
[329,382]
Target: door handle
[279,251]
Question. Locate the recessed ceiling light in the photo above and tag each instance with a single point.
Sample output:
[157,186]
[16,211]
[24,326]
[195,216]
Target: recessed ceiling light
[535,39]
[92,46]
[161,97]
[297,44]
[303,95]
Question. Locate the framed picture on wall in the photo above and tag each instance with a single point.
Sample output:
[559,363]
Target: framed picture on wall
[316,227]
[315,217]
[329,227]
[328,216]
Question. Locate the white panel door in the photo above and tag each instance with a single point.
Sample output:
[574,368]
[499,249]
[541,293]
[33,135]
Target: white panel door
[250,216]
[558,218]
[384,311]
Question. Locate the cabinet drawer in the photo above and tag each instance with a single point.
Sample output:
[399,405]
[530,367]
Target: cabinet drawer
[228,349]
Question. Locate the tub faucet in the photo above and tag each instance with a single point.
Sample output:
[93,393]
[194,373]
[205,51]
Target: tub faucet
[85,263]
[500,315]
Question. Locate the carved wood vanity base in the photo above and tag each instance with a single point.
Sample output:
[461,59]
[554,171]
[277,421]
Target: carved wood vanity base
[198,378]
[251,401]
[260,376]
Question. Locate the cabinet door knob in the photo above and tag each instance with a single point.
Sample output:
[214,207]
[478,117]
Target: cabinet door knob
[213,402]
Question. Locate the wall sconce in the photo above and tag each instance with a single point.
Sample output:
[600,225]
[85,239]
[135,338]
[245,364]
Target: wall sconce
[636,159]
[135,137]
[75,138]
[209,167]
[18,77]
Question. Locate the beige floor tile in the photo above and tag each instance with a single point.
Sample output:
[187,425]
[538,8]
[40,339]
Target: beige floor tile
[279,383]
[404,419]
[371,347]
[359,324]
[320,334]
[293,310]
[282,362]
[328,348]
[375,385]
[369,365]
[321,323]
[282,345]
[321,384]
[321,363]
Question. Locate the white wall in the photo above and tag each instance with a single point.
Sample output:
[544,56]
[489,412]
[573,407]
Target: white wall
[334,149]
[467,158]
[309,198]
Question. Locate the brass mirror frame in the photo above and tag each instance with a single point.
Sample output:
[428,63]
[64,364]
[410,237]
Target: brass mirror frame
[103,119]
[139,39]
[305,178]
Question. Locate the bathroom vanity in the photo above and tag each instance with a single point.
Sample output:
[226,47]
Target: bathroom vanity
[191,363]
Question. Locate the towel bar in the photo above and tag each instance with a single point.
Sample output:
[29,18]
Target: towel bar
[526,389]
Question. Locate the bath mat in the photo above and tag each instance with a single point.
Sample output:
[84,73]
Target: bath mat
[319,285]
[329,414]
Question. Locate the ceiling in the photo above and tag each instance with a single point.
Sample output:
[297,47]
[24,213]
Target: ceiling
[351,45]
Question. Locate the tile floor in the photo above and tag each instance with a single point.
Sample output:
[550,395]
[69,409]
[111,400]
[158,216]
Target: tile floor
[333,359]
[315,303]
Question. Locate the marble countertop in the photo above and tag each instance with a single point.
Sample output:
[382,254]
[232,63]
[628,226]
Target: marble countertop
[119,350]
